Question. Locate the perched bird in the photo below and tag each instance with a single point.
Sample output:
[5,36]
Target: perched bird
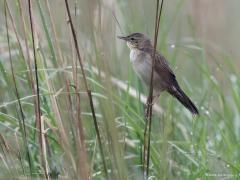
[141,57]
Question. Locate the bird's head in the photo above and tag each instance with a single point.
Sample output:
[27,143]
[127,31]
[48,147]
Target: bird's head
[136,41]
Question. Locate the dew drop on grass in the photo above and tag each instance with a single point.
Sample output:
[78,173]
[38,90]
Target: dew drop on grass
[233,78]
[207,112]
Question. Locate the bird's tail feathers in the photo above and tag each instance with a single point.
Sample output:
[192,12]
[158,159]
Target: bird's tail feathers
[178,93]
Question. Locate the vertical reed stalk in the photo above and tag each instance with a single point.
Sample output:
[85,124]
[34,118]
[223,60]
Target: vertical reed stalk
[86,87]
[21,124]
[37,105]
[44,148]
[148,115]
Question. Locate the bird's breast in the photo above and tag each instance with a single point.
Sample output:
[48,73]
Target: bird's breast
[142,65]
[141,62]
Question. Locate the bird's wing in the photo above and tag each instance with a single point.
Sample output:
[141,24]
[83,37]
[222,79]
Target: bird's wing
[163,69]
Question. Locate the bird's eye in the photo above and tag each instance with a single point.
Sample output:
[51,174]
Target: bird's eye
[132,39]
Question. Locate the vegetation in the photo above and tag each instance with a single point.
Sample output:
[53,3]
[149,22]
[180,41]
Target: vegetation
[62,120]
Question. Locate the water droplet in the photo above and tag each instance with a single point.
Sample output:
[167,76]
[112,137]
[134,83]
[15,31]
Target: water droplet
[207,112]
[233,78]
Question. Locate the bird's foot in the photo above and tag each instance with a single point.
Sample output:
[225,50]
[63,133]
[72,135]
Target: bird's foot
[148,104]
[146,108]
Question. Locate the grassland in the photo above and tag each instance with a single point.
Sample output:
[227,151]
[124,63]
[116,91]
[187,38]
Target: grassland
[47,127]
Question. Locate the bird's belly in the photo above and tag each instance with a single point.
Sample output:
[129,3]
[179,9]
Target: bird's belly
[143,71]
[143,67]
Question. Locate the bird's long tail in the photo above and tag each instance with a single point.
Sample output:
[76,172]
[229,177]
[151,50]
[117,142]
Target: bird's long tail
[178,93]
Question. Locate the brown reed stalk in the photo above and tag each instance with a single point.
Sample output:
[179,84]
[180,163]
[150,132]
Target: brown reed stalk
[86,87]
[148,115]
[22,124]
[37,105]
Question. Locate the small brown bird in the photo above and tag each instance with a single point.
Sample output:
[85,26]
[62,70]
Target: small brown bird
[141,57]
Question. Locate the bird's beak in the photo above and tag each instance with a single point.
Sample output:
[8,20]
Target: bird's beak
[123,38]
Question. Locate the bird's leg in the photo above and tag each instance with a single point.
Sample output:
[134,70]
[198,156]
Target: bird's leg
[148,103]
[155,98]
[146,109]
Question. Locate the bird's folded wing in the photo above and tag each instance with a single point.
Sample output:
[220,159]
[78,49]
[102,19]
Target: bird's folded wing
[163,69]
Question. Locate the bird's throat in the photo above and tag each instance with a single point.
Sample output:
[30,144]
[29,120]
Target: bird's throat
[131,46]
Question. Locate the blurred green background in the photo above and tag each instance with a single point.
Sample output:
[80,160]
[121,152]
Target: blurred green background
[200,39]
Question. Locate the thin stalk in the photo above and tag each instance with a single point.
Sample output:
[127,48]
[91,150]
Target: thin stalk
[86,87]
[37,109]
[44,148]
[7,161]
[62,133]
[48,35]
[82,158]
[148,114]
[55,40]
[20,45]
[30,73]
[147,130]
[21,124]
